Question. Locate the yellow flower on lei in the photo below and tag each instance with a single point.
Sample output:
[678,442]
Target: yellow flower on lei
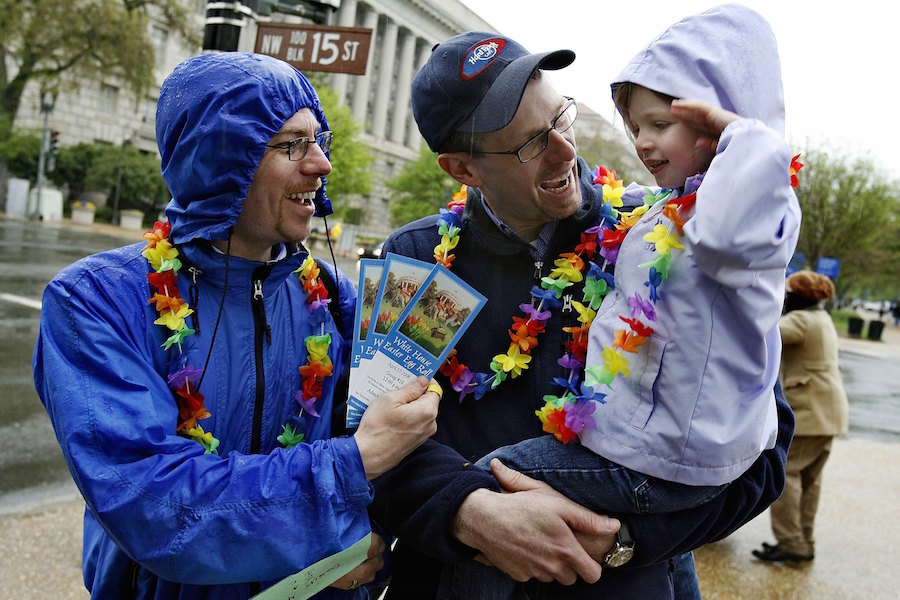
[513,361]
[317,348]
[174,320]
[161,252]
[568,269]
[664,239]
[308,273]
[447,244]
[614,362]
[627,220]
[585,313]
[205,438]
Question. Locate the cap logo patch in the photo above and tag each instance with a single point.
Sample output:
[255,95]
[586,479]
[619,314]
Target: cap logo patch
[480,57]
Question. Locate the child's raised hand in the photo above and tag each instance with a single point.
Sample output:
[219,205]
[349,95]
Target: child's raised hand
[708,120]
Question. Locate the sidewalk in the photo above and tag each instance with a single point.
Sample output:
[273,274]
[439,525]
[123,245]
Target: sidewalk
[856,524]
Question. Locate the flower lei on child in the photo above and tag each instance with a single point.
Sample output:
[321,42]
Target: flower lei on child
[173,309]
[569,413]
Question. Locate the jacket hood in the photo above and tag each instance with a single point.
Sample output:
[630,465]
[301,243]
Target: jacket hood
[215,115]
[726,56]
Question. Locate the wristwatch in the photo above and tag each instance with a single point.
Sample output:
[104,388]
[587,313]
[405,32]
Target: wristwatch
[622,552]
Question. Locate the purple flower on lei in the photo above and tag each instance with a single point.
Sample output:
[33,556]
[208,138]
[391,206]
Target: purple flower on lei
[478,387]
[317,310]
[307,404]
[638,305]
[179,378]
[570,361]
[578,415]
[541,316]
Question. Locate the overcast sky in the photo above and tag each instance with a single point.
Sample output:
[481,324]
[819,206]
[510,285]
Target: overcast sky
[839,60]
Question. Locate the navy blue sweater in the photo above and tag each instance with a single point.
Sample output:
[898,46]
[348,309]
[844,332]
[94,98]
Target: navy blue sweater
[418,500]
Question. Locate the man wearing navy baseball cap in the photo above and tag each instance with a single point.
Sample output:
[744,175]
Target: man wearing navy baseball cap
[487,107]
[473,83]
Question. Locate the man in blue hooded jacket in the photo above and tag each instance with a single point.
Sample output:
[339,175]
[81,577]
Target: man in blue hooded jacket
[190,380]
[484,104]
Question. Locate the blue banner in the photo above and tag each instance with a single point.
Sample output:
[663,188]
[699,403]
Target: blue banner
[828,266]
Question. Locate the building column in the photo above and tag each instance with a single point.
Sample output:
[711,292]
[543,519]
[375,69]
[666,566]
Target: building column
[404,81]
[361,89]
[385,79]
[413,137]
[346,17]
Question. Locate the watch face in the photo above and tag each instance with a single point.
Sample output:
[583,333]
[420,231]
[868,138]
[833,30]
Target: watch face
[621,556]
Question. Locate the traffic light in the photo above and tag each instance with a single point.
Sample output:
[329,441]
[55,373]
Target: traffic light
[54,142]
[52,150]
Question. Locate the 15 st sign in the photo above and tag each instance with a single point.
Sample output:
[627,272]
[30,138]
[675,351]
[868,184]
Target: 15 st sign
[316,47]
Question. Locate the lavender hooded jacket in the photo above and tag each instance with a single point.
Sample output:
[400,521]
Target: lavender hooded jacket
[698,407]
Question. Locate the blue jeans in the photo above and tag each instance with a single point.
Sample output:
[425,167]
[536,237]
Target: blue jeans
[597,484]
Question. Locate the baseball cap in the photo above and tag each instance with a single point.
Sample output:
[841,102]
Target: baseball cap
[474,82]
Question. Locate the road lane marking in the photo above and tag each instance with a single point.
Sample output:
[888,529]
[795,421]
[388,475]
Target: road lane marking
[21,300]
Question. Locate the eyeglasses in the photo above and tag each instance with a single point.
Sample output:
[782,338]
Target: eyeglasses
[533,147]
[296,149]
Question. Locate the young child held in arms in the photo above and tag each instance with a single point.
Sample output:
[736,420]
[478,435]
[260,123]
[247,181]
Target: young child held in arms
[684,352]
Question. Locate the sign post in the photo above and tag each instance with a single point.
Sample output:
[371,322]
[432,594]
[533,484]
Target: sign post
[828,266]
[316,47]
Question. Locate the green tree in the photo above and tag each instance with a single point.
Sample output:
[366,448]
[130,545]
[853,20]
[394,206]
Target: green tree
[422,188]
[351,158]
[62,43]
[850,212]
[20,150]
[73,167]
[142,185]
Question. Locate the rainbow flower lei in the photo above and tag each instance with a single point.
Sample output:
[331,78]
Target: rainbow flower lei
[570,268]
[173,309]
[567,414]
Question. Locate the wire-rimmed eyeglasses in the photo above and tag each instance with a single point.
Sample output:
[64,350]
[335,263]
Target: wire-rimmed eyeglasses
[533,147]
[297,148]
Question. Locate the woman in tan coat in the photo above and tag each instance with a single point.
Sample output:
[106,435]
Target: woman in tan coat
[815,391]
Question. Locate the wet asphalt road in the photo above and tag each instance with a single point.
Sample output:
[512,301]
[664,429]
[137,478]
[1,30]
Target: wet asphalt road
[31,463]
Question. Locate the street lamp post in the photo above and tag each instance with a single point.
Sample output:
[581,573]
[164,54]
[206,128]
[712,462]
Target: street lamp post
[115,213]
[47,103]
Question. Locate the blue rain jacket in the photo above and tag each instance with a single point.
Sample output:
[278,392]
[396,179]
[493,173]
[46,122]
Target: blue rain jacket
[163,519]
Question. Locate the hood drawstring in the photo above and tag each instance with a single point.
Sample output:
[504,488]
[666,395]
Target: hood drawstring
[221,306]
[194,297]
[337,288]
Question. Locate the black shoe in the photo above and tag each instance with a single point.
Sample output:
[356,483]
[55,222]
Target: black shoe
[771,553]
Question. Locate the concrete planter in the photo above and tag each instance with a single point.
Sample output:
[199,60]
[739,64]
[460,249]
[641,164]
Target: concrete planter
[131,219]
[82,215]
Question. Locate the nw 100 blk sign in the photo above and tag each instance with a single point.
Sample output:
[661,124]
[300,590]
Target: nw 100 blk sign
[316,47]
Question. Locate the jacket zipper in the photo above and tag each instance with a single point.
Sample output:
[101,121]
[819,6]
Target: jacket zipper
[261,329]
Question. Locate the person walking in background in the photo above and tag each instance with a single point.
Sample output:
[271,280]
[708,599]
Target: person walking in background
[815,391]
[895,312]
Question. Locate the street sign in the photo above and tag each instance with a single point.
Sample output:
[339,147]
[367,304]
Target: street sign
[316,47]
[828,266]
[796,264]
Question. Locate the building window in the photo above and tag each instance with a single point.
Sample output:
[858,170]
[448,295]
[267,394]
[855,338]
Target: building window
[159,37]
[109,99]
